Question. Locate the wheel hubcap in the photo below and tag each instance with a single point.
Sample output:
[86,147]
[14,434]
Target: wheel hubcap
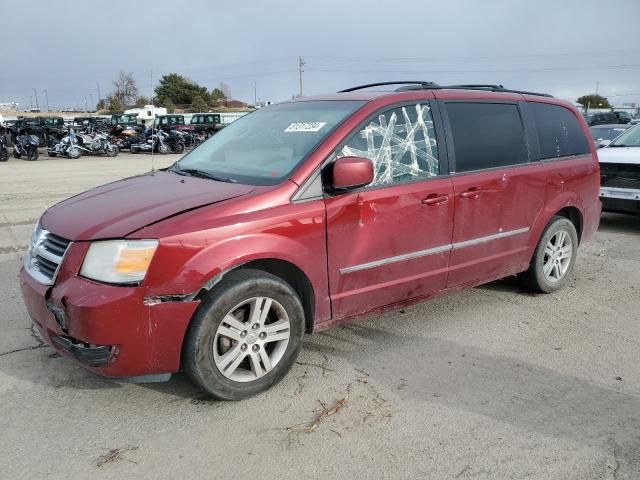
[251,339]
[557,256]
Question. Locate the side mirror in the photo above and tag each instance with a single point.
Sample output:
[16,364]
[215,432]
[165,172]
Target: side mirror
[352,172]
[604,143]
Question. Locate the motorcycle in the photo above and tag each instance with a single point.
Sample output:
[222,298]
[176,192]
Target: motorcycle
[67,146]
[27,146]
[128,136]
[176,141]
[96,143]
[154,143]
[4,155]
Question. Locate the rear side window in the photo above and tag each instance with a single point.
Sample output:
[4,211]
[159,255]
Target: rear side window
[559,131]
[486,135]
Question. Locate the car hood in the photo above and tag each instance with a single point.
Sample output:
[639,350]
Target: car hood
[117,209]
[619,155]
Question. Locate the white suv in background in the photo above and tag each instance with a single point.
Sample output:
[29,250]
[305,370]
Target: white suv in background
[620,173]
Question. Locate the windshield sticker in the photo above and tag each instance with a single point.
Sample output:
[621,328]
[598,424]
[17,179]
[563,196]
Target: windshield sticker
[305,127]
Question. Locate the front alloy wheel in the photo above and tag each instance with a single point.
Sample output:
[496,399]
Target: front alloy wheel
[245,336]
[251,339]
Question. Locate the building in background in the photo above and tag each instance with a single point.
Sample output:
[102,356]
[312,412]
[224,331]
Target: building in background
[9,106]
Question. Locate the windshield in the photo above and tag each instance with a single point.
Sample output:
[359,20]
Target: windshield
[630,138]
[607,133]
[264,147]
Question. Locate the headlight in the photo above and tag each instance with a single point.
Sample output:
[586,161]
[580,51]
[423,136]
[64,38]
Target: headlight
[118,261]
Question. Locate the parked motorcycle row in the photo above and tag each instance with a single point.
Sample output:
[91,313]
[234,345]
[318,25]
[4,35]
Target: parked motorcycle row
[139,140]
[96,141]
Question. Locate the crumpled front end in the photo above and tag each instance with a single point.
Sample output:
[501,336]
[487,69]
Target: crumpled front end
[108,329]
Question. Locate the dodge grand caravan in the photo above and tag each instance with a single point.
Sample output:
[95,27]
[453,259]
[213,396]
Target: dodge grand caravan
[307,214]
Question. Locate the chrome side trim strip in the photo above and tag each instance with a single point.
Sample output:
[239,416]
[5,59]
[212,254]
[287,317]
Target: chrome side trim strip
[433,251]
[399,258]
[489,238]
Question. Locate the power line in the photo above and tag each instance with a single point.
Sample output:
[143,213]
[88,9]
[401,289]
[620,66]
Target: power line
[473,58]
[509,70]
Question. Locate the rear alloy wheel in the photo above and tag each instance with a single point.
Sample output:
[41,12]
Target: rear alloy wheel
[554,257]
[246,335]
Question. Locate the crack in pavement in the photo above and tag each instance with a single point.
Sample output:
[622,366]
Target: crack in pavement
[33,347]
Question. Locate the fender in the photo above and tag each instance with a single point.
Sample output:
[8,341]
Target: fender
[560,200]
[204,268]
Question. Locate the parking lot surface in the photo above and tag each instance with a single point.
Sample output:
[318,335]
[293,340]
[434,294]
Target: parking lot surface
[493,382]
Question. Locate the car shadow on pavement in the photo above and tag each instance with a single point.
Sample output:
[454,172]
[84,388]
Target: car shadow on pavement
[620,223]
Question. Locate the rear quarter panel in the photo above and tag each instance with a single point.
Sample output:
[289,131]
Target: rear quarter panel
[571,181]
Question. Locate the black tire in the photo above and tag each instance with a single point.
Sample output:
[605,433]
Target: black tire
[236,287]
[32,156]
[52,154]
[534,278]
[179,148]
[111,151]
[16,154]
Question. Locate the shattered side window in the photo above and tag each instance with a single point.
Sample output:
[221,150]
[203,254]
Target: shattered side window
[400,142]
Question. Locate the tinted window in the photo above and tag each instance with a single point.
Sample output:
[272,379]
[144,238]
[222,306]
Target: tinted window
[486,135]
[559,132]
[400,142]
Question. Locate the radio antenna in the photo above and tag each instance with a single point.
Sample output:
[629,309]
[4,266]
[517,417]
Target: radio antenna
[153,121]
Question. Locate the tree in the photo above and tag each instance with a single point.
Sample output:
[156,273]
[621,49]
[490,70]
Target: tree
[168,104]
[221,94]
[593,100]
[179,90]
[141,101]
[101,105]
[115,105]
[125,88]
[199,104]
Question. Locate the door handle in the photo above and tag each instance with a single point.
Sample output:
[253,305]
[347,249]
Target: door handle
[472,194]
[435,199]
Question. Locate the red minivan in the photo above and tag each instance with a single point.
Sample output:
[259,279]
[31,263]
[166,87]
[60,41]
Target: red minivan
[306,214]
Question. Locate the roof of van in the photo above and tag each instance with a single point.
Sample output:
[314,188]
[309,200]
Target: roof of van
[441,93]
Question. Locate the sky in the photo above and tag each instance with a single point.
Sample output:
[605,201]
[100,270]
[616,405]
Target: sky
[566,48]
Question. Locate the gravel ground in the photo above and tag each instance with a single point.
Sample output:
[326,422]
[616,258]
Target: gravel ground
[491,383]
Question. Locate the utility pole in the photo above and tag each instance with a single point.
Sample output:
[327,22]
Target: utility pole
[255,93]
[46,95]
[91,96]
[99,98]
[301,64]
[36,95]
[86,106]
[30,101]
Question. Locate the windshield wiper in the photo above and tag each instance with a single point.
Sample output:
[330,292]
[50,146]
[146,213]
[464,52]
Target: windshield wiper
[619,145]
[194,172]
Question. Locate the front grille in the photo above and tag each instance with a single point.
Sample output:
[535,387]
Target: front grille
[620,175]
[45,256]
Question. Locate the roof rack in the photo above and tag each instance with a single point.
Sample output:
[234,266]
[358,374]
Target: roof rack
[421,85]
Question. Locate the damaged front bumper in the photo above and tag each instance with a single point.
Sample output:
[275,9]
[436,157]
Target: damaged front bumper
[111,330]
